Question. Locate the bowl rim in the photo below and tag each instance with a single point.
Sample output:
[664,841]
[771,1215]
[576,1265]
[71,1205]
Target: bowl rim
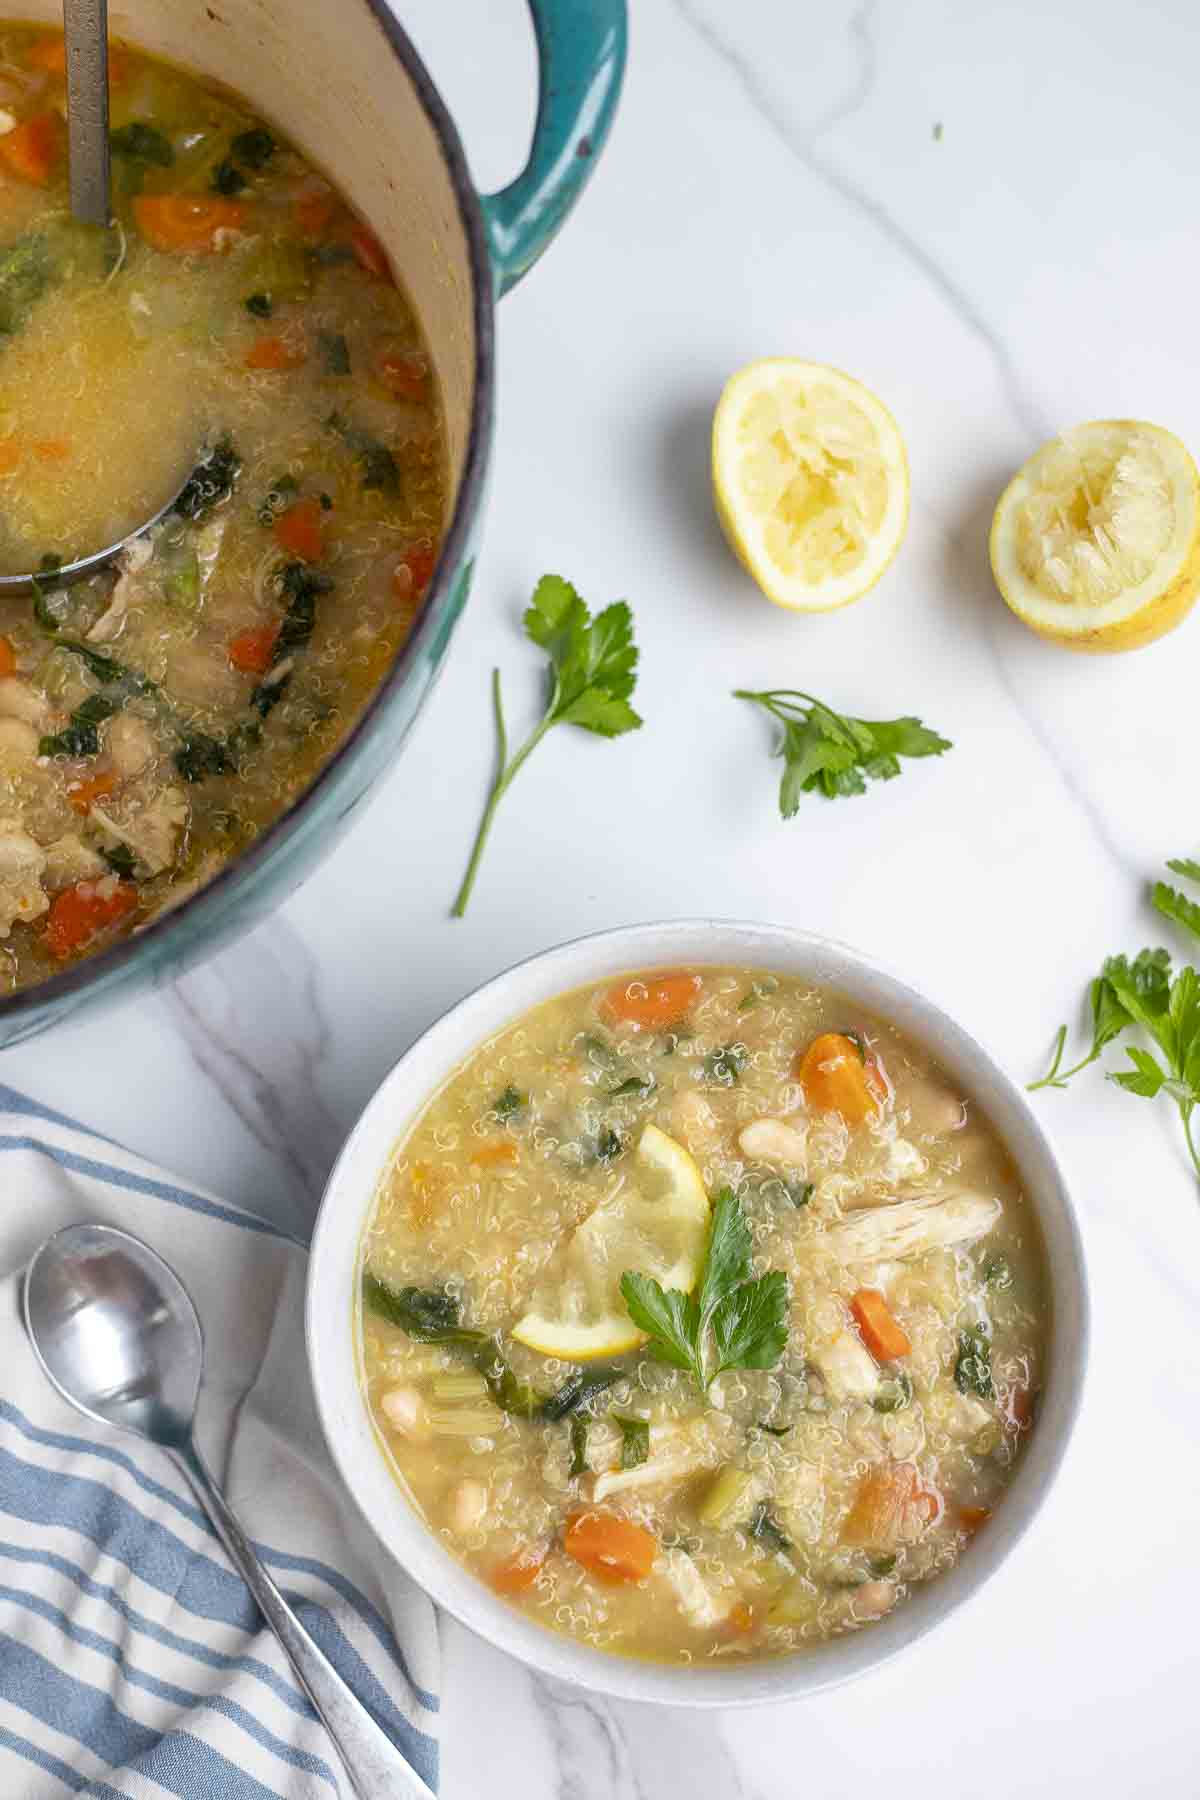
[403,1095]
[60,993]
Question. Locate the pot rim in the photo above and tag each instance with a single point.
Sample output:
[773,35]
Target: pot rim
[106,969]
[332,1340]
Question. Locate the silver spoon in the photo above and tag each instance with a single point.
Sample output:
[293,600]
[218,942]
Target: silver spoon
[85,24]
[115,1330]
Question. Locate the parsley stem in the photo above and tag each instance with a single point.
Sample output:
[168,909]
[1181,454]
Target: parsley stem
[1056,1077]
[506,769]
[1191,1142]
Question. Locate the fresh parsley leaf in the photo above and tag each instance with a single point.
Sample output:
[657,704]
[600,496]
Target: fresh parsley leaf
[750,1326]
[973,1365]
[259,306]
[1149,974]
[758,990]
[1176,906]
[121,860]
[633,1084]
[765,1528]
[380,471]
[608,1147]
[254,148]
[998,1274]
[142,143]
[893,1393]
[724,1066]
[732,1321]
[670,1319]
[775,1431]
[227,178]
[27,268]
[592,672]
[335,352]
[210,482]
[635,1440]
[1183,865]
[81,735]
[508,1104]
[829,753]
[579,1438]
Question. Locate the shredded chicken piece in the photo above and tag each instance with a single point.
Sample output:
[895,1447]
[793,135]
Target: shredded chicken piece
[849,1369]
[690,1588]
[21,700]
[908,1227]
[18,740]
[468,1507]
[404,1410]
[693,1121]
[129,744]
[149,827]
[68,860]
[131,562]
[22,864]
[774,1141]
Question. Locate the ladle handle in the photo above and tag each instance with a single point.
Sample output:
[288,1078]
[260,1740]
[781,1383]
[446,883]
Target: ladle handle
[374,1768]
[85,23]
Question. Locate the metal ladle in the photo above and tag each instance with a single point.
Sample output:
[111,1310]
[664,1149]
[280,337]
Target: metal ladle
[115,1330]
[85,24]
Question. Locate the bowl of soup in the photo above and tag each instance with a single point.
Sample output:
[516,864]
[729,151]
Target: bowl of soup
[698,1312]
[285,340]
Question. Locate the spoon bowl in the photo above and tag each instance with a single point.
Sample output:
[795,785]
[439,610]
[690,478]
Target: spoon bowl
[116,1332]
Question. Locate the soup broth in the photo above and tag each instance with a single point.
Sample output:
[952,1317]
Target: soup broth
[240,322]
[604,1491]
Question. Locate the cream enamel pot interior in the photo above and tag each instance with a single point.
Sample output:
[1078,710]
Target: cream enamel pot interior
[331,1330]
[343,82]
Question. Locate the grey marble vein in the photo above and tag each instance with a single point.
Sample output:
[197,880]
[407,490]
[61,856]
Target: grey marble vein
[610,1750]
[803,141]
[255,1027]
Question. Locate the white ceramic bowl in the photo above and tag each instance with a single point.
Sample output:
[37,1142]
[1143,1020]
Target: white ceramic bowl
[434,1057]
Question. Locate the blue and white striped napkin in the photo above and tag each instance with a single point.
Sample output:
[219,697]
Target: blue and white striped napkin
[133,1662]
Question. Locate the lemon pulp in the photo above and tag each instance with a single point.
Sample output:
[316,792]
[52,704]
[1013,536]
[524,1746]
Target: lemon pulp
[810,480]
[1095,542]
[655,1224]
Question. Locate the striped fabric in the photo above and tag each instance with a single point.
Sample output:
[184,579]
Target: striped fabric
[133,1662]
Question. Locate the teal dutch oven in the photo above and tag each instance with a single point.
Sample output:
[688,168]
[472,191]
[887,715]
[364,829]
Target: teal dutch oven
[346,85]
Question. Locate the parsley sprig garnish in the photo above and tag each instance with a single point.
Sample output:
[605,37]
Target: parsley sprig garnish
[593,670]
[731,1321]
[827,752]
[1147,993]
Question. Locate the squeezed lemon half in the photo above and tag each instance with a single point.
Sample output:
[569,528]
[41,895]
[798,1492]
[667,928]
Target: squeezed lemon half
[656,1223]
[810,480]
[1095,542]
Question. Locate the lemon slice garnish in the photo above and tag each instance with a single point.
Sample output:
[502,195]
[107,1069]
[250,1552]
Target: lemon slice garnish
[656,1223]
[1096,541]
[810,480]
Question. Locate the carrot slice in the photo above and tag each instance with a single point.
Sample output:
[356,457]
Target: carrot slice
[651,1001]
[878,1326]
[412,573]
[892,1506]
[614,1550]
[740,1620]
[82,912]
[49,55]
[404,373]
[83,796]
[518,1572]
[972,1517]
[836,1078]
[186,223]
[276,353]
[10,455]
[298,530]
[51,450]
[500,1155]
[33,149]
[252,652]
[370,254]
[315,208]
[8,657]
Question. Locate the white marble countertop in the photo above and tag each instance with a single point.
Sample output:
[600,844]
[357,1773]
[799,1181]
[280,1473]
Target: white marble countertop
[775,184]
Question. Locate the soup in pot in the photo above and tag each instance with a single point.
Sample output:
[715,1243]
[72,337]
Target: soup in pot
[702,1316]
[237,330]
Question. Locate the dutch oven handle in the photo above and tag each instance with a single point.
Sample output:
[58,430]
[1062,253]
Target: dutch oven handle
[581,55]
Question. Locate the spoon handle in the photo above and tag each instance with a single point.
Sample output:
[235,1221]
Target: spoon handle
[86,25]
[373,1767]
